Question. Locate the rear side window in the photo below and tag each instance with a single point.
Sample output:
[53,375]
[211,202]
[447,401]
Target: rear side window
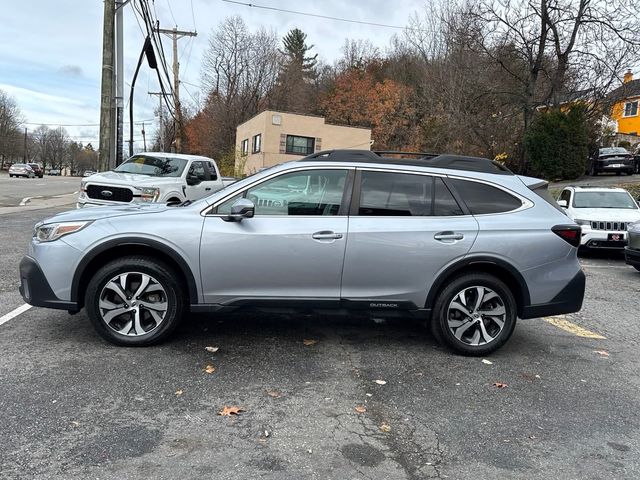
[404,195]
[482,198]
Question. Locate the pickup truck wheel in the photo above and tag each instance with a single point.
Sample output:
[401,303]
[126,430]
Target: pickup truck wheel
[475,314]
[135,301]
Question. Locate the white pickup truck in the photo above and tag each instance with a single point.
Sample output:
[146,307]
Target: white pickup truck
[170,178]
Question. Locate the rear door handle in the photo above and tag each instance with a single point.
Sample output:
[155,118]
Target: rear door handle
[448,236]
[207,189]
[326,235]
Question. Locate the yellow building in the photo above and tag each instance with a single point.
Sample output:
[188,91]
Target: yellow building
[625,109]
[273,137]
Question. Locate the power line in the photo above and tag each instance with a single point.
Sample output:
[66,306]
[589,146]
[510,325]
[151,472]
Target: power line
[77,124]
[326,17]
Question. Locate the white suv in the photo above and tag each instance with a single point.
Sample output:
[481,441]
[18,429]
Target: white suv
[603,213]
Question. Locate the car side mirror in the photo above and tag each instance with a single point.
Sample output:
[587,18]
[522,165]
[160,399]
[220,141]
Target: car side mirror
[192,180]
[241,208]
[562,203]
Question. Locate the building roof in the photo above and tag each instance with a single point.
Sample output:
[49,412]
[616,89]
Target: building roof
[626,90]
[310,115]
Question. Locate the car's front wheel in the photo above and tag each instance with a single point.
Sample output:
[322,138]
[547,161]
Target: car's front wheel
[135,301]
[475,314]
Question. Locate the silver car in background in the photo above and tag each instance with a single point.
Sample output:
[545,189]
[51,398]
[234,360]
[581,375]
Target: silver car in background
[458,240]
[21,170]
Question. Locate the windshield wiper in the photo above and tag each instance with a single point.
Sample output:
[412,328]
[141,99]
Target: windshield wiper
[185,203]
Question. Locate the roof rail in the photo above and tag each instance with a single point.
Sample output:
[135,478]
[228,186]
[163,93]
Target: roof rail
[383,153]
[446,161]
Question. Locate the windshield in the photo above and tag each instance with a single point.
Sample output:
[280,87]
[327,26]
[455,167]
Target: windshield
[154,166]
[603,200]
[613,151]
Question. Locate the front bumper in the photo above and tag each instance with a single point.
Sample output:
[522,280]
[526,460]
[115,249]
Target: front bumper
[35,288]
[632,256]
[599,239]
[568,300]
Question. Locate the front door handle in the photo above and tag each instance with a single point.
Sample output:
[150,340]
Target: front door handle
[326,235]
[448,236]
[208,189]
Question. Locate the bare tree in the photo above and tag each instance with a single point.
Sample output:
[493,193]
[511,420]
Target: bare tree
[41,144]
[10,138]
[57,142]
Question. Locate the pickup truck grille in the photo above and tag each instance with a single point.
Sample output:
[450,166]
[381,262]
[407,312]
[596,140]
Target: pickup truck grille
[612,226]
[112,194]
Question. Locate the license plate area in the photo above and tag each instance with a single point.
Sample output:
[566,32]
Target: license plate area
[616,237]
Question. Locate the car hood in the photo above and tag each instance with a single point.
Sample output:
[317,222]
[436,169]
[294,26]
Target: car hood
[129,179]
[606,214]
[97,213]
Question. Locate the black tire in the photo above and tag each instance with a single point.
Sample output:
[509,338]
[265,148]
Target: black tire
[637,267]
[618,173]
[172,294]
[440,320]
[173,202]
[594,171]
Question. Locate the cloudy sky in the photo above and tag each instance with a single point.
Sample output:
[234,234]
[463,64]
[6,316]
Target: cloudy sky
[50,54]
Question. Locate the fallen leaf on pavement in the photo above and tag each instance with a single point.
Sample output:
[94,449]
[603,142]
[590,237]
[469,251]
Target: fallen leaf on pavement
[274,393]
[385,428]
[602,353]
[361,409]
[500,385]
[381,382]
[179,392]
[228,411]
[488,362]
[209,369]
[211,349]
[75,424]
[309,342]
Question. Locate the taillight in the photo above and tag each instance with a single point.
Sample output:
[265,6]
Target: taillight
[569,233]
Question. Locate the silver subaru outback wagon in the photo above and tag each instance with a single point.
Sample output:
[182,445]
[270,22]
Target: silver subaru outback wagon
[459,241]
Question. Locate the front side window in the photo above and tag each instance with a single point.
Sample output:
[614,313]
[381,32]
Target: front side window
[244,147]
[310,192]
[257,143]
[631,109]
[604,200]
[154,166]
[483,199]
[197,170]
[402,194]
[300,145]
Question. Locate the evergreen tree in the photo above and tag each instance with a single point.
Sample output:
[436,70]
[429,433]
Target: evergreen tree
[296,49]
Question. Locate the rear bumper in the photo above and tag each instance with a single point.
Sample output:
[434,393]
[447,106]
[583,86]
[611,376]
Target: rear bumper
[632,256]
[568,300]
[35,288]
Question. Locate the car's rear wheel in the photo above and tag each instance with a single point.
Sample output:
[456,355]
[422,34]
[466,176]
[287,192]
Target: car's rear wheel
[475,314]
[135,301]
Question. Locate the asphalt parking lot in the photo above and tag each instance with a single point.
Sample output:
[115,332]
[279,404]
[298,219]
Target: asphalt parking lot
[73,406]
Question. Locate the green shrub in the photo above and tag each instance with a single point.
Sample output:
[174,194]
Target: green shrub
[557,143]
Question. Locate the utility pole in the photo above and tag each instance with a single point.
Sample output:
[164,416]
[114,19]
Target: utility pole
[106,103]
[25,145]
[176,34]
[119,68]
[161,129]
[144,138]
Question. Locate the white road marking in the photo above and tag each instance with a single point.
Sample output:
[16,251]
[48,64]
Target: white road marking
[605,266]
[24,201]
[40,184]
[14,313]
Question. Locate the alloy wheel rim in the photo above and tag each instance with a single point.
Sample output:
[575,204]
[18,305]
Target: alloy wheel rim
[476,316]
[133,304]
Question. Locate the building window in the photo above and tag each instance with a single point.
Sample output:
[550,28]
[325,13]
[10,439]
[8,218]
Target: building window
[256,143]
[276,120]
[300,145]
[244,148]
[631,109]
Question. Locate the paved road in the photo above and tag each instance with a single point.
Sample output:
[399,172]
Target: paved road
[14,190]
[72,406]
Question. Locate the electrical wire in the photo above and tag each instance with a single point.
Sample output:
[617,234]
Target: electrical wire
[326,17]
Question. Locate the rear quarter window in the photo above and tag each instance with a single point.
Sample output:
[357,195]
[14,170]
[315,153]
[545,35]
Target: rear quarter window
[484,199]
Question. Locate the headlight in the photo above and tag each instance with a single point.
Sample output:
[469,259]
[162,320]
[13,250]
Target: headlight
[49,232]
[583,222]
[149,194]
[83,186]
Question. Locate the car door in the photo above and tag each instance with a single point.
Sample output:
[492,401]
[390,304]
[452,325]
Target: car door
[205,183]
[292,249]
[404,229]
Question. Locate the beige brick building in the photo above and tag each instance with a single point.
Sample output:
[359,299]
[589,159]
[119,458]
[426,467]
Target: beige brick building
[273,137]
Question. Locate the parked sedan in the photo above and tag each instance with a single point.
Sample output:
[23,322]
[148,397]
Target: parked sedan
[613,159]
[21,170]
